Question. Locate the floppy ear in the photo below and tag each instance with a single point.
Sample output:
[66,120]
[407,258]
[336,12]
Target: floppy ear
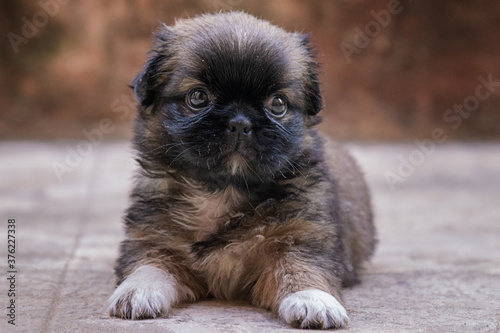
[148,83]
[312,92]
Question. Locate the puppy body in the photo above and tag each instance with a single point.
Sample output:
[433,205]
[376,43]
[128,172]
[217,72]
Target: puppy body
[235,197]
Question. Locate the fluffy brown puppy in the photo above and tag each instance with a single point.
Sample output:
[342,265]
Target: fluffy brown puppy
[235,197]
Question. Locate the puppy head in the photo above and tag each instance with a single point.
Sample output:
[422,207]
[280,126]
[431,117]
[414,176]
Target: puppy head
[226,99]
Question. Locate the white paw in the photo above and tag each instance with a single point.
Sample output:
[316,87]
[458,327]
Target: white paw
[146,293]
[313,308]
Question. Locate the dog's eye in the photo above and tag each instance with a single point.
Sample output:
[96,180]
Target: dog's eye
[277,106]
[198,99]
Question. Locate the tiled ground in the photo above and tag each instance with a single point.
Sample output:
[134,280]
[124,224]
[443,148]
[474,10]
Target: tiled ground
[437,268]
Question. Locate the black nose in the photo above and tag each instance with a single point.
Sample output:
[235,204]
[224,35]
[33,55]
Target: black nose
[239,125]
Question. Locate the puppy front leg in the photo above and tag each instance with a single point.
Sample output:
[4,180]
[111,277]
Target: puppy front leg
[146,293]
[300,294]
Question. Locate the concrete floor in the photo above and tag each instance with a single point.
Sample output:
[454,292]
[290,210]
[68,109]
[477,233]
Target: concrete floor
[437,268]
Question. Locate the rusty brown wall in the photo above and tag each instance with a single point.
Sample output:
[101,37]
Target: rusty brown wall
[65,65]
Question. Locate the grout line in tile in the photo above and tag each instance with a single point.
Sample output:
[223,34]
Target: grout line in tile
[86,208]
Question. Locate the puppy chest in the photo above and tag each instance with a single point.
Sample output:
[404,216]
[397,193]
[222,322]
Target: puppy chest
[209,212]
[231,271]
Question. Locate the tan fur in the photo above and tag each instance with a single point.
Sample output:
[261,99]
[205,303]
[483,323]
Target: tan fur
[263,255]
[284,276]
[210,209]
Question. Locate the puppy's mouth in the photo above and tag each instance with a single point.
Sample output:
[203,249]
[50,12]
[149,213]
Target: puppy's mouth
[237,158]
[238,146]
[237,163]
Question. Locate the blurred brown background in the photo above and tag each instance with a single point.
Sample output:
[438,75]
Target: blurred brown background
[65,65]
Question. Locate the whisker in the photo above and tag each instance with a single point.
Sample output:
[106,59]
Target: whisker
[171,145]
[295,166]
[178,155]
[281,127]
[279,169]
[246,184]
[252,170]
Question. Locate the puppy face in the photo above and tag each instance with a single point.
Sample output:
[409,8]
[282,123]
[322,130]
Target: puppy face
[226,101]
